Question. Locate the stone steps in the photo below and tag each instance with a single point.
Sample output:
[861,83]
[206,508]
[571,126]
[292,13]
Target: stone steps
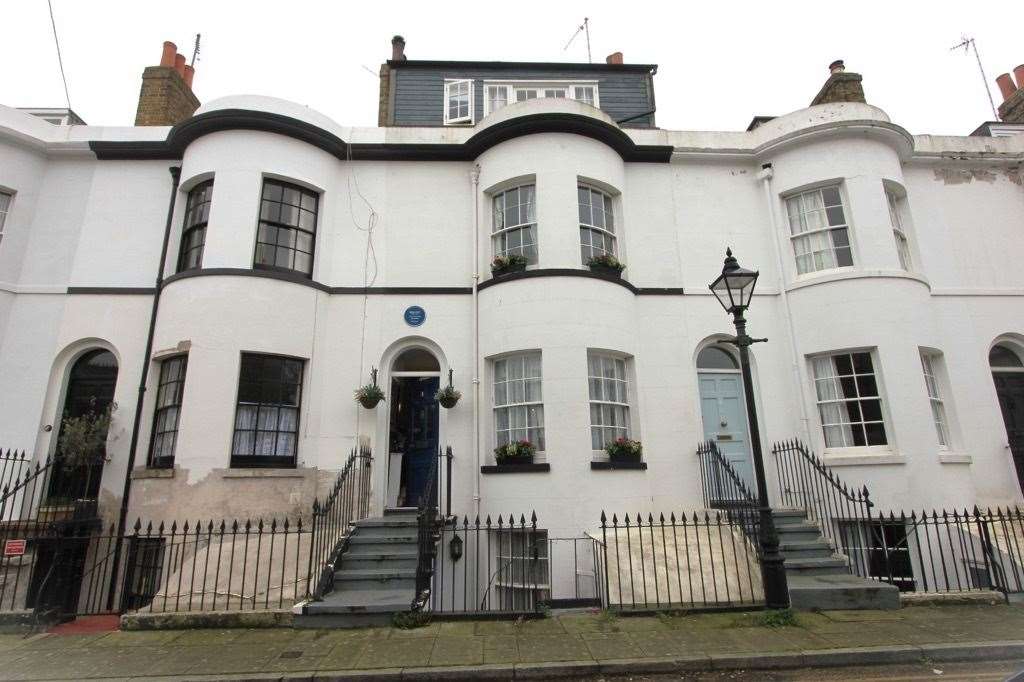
[818,577]
[375,576]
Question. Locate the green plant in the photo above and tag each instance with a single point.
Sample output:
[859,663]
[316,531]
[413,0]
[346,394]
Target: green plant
[507,263]
[515,451]
[776,619]
[605,261]
[82,443]
[624,449]
[369,395]
[410,620]
[448,397]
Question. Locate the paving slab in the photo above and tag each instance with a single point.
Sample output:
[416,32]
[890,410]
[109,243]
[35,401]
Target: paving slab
[551,648]
[610,646]
[501,649]
[392,652]
[451,651]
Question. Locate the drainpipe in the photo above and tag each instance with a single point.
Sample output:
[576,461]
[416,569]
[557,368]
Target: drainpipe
[144,377]
[474,176]
[765,176]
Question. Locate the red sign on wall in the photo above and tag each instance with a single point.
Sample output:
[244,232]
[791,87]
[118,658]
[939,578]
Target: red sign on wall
[14,548]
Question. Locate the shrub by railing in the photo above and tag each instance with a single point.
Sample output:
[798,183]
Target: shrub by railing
[704,561]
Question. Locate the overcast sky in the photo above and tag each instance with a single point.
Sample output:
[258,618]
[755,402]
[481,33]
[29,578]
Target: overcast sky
[719,63]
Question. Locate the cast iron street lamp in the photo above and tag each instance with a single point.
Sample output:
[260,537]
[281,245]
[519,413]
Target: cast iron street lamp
[733,289]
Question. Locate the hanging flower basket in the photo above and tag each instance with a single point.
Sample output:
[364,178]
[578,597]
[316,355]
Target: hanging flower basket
[503,265]
[448,397]
[606,264]
[370,395]
[623,450]
[516,452]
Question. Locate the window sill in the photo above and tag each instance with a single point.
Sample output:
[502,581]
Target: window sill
[142,473]
[263,472]
[847,458]
[532,468]
[851,272]
[606,465]
[955,458]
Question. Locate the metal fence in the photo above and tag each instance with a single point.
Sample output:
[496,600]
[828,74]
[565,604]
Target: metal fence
[918,551]
[63,562]
[725,490]
[347,501]
[13,465]
[688,562]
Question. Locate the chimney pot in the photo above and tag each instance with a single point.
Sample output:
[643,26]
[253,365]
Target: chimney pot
[614,58]
[179,64]
[398,49]
[837,66]
[167,57]
[1006,86]
[190,73]
[1018,73]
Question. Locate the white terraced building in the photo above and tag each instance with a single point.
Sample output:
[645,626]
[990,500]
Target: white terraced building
[293,254]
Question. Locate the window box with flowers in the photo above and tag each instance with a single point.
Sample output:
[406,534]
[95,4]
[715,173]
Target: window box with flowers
[623,453]
[504,265]
[607,265]
[515,456]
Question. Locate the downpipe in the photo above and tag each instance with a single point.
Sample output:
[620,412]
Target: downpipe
[143,379]
[475,185]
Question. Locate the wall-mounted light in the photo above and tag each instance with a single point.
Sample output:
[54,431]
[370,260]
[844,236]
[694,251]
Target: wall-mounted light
[455,548]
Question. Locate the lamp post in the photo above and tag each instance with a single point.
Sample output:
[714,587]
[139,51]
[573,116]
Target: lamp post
[734,289]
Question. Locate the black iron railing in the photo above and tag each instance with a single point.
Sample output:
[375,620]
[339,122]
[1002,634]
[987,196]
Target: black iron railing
[347,501]
[724,489]
[697,562]
[13,467]
[427,524]
[501,566]
[806,483]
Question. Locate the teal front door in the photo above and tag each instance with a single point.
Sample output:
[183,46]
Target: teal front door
[724,414]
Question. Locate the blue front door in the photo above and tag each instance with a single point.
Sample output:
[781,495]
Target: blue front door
[420,426]
[724,414]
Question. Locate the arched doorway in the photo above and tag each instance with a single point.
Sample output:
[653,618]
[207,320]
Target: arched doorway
[412,426]
[723,408]
[90,391]
[1008,374]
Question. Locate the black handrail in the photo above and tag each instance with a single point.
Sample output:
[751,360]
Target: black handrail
[347,501]
[725,489]
[426,526]
[805,482]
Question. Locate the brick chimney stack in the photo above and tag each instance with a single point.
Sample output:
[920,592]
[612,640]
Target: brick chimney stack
[1012,108]
[613,58]
[841,86]
[166,97]
[386,91]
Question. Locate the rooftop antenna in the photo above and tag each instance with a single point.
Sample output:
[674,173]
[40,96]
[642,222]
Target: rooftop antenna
[195,51]
[968,44]
[583,28]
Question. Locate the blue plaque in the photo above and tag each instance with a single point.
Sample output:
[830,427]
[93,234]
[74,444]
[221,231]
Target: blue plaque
[415,316]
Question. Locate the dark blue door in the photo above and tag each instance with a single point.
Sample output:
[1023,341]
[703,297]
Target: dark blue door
[421,446]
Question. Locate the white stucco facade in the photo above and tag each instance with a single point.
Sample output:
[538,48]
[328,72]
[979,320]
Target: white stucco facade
[83,236]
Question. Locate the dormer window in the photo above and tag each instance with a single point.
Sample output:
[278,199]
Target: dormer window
[458,102]
[498,94]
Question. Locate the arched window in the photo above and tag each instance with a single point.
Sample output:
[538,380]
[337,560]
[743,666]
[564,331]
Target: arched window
[1004,358]
[416,360]
[714,357]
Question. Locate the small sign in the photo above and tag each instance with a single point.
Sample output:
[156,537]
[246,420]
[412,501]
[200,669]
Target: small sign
[415,316]
[14,548]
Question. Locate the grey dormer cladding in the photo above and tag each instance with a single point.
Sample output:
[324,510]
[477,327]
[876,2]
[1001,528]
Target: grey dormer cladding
[624,91]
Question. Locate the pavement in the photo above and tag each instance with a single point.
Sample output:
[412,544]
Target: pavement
[593,645]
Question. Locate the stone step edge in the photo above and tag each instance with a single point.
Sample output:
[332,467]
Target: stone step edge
[823,658]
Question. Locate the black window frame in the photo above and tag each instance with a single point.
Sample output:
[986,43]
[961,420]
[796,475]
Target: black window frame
[268,224]
[167,462]
[275,461]
[199,198]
